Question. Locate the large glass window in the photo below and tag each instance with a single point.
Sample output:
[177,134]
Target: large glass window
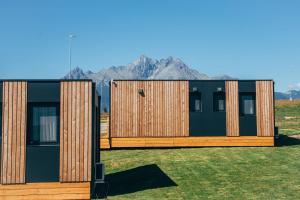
[195,102]
[43,123]
[247,103]
[219,101]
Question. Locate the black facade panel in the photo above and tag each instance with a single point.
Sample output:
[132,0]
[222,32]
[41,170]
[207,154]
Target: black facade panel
[42,164]
[43,91]
[207,122]
[1,91]
[1,96]
[247,122]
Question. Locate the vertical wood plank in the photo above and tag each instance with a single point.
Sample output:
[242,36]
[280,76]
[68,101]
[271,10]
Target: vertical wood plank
[86,118]
[265,108]
[90,132]
[81,138]
[232,108]
[70,131]
[76,113]
[14,133]
[61,136]
[5,131]
[23,132]
[162,112]
[77,132]
[18,127]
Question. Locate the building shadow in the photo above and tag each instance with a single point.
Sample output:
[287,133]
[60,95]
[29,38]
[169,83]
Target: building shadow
[137,179]
[285,140]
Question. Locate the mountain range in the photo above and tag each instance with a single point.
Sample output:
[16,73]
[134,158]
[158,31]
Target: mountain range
[145,68]
[294,94]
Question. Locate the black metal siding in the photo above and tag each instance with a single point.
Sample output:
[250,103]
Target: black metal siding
[42,161]
[1,96]
[207,122]
[43,91]
[247,122]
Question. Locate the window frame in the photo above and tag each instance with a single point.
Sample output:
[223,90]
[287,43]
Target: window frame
[30,107]
[215,105]
[241,103]
[195,94]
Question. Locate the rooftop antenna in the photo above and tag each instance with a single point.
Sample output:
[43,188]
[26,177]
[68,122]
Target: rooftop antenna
[71,36]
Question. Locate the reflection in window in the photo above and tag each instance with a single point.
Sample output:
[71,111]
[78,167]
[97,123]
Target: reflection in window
[247,103]
[219,101]
[195,102]
[43,127]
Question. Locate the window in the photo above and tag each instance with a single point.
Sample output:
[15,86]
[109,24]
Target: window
[43,123]
[195,102]
[219,102]
[247,103]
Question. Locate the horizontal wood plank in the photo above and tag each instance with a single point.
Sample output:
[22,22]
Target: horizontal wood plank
[192,141]
[46,191]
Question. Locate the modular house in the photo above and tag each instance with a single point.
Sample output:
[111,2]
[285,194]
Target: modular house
[181,113]
[49,141]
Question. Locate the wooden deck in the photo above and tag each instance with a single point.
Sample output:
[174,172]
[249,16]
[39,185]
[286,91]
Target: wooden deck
[46,191]
[193,141]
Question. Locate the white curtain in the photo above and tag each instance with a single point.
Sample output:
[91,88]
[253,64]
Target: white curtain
[45,124]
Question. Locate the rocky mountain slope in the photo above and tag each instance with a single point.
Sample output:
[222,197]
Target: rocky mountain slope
[144,68]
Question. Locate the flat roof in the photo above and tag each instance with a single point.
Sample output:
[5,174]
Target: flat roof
[192,80]
[45,80]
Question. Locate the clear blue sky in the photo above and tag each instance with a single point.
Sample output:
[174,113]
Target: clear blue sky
[242,38]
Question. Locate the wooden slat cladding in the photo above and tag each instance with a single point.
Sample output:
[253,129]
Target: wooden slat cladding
[232,108]
[264,108]
[14,132]
[162,111]
[54,190]
[207,141]
[75,131]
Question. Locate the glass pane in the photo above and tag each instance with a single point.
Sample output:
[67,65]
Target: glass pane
[219,101]
[197,105]
[221,105]
[44,124]
[195,102]
[48,128]
[248,107]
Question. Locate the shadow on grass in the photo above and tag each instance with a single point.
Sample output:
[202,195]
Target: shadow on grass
[285,140]
[137,179]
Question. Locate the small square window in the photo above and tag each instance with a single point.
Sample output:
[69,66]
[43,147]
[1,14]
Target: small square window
[43,124]
[195,102]
[247,103]
[219,102]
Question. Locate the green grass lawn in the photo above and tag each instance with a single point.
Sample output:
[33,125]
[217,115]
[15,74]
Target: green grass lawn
[208,173]
[204,173]
[287,115]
